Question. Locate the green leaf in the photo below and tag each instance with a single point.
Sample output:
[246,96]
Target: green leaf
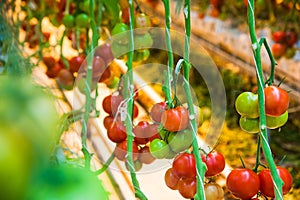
[113,8]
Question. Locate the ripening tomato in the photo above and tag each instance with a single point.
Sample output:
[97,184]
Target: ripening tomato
[187,187]
[213,191]
[171,179]
[278,36]
[215,163]
[159,148]
[117,132]
[65,79]
[121,151]
[266,183]
[157,110]
[184,165]
[104,51]
[249,125]
[243,183]
[82,20]
[152,132]
[111,104]
[290,38]
[140,133]
[246,104]
[108,121]
[276,122]
[142,21]
[278,50]
[145,156]
[76,62]
[175,119]
[276,101]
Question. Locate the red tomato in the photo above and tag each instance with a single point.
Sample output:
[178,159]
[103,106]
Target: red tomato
[175,119]
[117,132]
[53,72]
[278,36]
[290,38]
[140,133]
[105,76]
[276,101]
[65,79]
[215,163]
[76,62]
[278,50]
[243,183]
[135,111]
[171,179]
[187,187]
[266,183]
[108,121]
[157,110]
[49,61]
[152,132]
[184,165]
[145,156]
[104,51]
[99,67]
[111,104]
[121,151]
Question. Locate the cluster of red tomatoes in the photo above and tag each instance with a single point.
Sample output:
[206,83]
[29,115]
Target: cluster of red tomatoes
[276,105]
[284,42]
[182,175]
[245,183]
[76,67]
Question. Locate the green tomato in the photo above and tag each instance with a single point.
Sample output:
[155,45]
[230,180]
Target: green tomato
[143,41]
[119,50]
[82,20]
[180,141]
[159,148]
[246,105]
[81,84]
[68,20]
[141,55]
[121,34]
[85,6]
[249,125]
[276,122]
[119,28]
[137,165]
[171,155]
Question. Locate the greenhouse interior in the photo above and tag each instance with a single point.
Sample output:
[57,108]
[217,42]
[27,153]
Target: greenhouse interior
[150,99]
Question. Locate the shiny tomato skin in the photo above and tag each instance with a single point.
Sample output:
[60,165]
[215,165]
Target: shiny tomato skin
[145,156]
[76,62]
[278,50]
[278,36]
[243,183]
[175,119]
[104,51]
[111,104]
[152,132]
[249,125]
[276,101]
[276,122]
[108,121]
[266,183]
[184,165]
[121,151]
[213,191]
[215,163]
[246,104]
[159,148]
[187,187]
[171,179]
[157,110]
[117,132]
[140,133]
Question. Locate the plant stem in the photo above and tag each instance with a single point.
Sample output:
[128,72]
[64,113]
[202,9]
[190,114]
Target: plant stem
[105,165]
[200,166]
[168,81]
[129,94]
[278,183]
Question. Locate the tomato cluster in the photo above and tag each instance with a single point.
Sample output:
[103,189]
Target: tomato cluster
[182,175]
[245,183]
[284,42]
[276,105]
[142,38]
[66,70]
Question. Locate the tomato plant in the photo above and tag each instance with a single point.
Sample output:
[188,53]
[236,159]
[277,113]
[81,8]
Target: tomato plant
[157,110]
[276,101]
[159,148]
[175,119]
[180,141]
[140,133]
[215,163]
[117,132]
[278,36]
[187,187]
[266,182]
[121,151]
[249,125]
[243,183]
[111,104]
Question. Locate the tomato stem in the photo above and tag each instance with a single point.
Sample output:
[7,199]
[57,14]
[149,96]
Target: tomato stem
[128,91]
[278,183]
[200,166]
[105,165]
[168,81]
